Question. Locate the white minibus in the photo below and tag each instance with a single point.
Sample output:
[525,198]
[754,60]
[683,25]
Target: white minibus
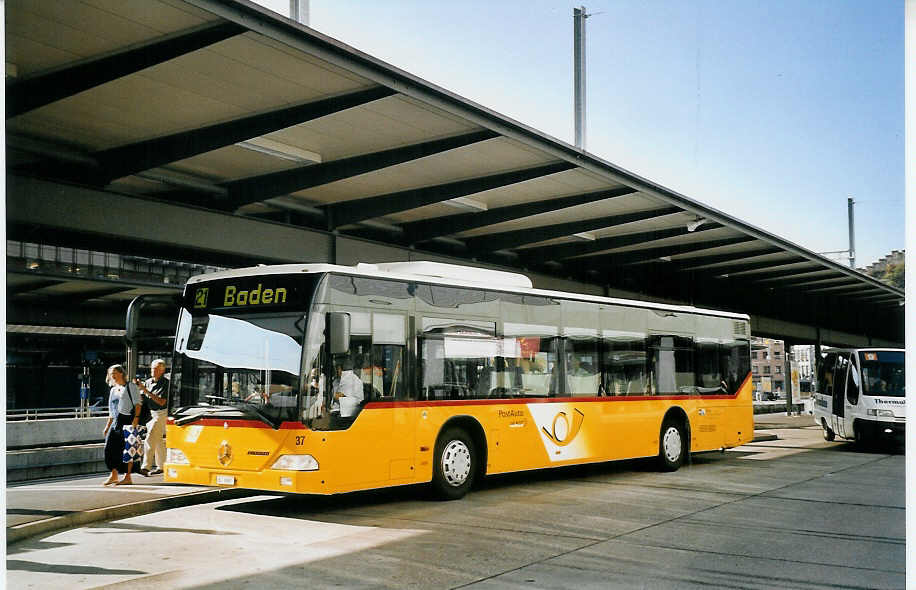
[860,394]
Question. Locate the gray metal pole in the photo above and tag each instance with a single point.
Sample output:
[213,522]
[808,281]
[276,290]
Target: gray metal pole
[299,11]
[852,233]
[787,357]
[579,17]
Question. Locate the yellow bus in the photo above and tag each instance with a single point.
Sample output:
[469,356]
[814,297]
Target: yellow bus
[322,379]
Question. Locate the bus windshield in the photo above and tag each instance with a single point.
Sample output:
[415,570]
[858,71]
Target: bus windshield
[882,373]
[237,365]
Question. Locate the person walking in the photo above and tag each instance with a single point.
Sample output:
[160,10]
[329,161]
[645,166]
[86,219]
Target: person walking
[114,441]
[128,414]
[155,393]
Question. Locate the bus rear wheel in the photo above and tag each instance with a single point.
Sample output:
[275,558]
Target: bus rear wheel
[672,445]
[455,461]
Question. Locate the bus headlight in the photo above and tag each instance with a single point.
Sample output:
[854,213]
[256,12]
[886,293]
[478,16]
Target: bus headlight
[882,413]
[296,463]
[176,457]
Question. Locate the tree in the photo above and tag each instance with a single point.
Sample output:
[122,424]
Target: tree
[894,275]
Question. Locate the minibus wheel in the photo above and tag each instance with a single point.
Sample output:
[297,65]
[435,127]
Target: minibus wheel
[455,462]
[829,435]
[672,445]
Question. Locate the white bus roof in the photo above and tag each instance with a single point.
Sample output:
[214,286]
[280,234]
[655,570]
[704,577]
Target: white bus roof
[452,275]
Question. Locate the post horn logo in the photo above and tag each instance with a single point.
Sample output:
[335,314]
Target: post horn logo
[224,453]
[562,432]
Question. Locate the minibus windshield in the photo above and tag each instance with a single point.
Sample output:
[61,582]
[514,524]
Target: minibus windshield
[883,373]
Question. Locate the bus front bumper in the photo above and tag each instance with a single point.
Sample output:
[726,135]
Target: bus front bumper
[301,482]
[882,430]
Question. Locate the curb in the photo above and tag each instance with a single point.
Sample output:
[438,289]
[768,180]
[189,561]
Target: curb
[764,437]
[27,530]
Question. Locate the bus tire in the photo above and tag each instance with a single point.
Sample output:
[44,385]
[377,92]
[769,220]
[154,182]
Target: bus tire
[455,462]
[829,435]
[672,445]
[859,438]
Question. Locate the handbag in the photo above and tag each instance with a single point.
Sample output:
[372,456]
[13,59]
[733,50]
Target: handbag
[133,442]
[145,413]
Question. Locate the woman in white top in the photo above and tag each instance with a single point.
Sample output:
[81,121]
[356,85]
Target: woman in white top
[128,412]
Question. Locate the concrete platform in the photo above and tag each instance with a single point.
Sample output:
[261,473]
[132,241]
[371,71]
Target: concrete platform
[46,506]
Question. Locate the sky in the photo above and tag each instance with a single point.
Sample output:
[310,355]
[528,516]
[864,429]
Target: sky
[772,111]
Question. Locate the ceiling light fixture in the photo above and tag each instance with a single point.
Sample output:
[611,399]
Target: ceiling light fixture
[585,236]
[693,225]
[466,203]
[280,150]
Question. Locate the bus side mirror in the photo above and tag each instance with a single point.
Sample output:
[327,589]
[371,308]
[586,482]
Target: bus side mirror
[339,327]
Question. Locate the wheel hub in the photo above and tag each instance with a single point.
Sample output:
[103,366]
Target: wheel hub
[671,443]
[456,463]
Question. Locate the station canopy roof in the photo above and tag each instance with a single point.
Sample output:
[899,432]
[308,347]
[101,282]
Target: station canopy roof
[227,106]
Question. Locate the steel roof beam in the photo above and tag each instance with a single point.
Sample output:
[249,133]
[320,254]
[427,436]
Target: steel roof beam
[514,239]
[258,188]
[840,289]
[736,262]
[809,281]
[795,275]
[428,229]
[357,210]
[43,89]
[81,297]
[151,153]
[651,255]
[30,287]
[569,250]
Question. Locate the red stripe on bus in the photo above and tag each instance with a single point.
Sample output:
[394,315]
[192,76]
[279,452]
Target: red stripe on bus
[244,423]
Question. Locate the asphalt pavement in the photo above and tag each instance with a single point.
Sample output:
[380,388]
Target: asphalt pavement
[45,506]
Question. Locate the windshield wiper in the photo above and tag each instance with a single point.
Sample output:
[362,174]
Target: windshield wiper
[206,411]
[261,415]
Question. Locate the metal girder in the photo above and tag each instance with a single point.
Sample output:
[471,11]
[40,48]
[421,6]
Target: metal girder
[264,186]
[795,275]
[514,239]
[734,261]
[427,229]
[840,289]
[560,251]
[809,281]
[888,296]
[341,214]
[652,254]
[81,297]
[42,89]
[151,153]
[19,289]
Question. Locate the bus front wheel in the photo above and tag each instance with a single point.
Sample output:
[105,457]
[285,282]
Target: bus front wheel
[672,445]
[455,464]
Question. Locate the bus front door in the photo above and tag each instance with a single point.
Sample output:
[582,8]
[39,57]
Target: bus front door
[840,373]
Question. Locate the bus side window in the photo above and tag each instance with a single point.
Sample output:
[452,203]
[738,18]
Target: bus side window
[825,374]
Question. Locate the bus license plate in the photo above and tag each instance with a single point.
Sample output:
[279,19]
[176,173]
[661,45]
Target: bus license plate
[225,480]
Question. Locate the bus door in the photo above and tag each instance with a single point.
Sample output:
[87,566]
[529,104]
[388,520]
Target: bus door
[377,432]
[823,390]
[840,373]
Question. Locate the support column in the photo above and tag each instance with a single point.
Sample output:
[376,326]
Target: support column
[787,369]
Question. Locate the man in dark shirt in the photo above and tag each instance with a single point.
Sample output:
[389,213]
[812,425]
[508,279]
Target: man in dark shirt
[155,391]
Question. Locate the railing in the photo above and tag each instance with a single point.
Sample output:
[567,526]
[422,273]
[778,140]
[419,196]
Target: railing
[55,413]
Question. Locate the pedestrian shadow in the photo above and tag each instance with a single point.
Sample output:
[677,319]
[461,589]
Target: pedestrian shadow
[27,546]
[53,568]
[129,527]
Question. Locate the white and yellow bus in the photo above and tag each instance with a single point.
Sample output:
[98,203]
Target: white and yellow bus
[324,379]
